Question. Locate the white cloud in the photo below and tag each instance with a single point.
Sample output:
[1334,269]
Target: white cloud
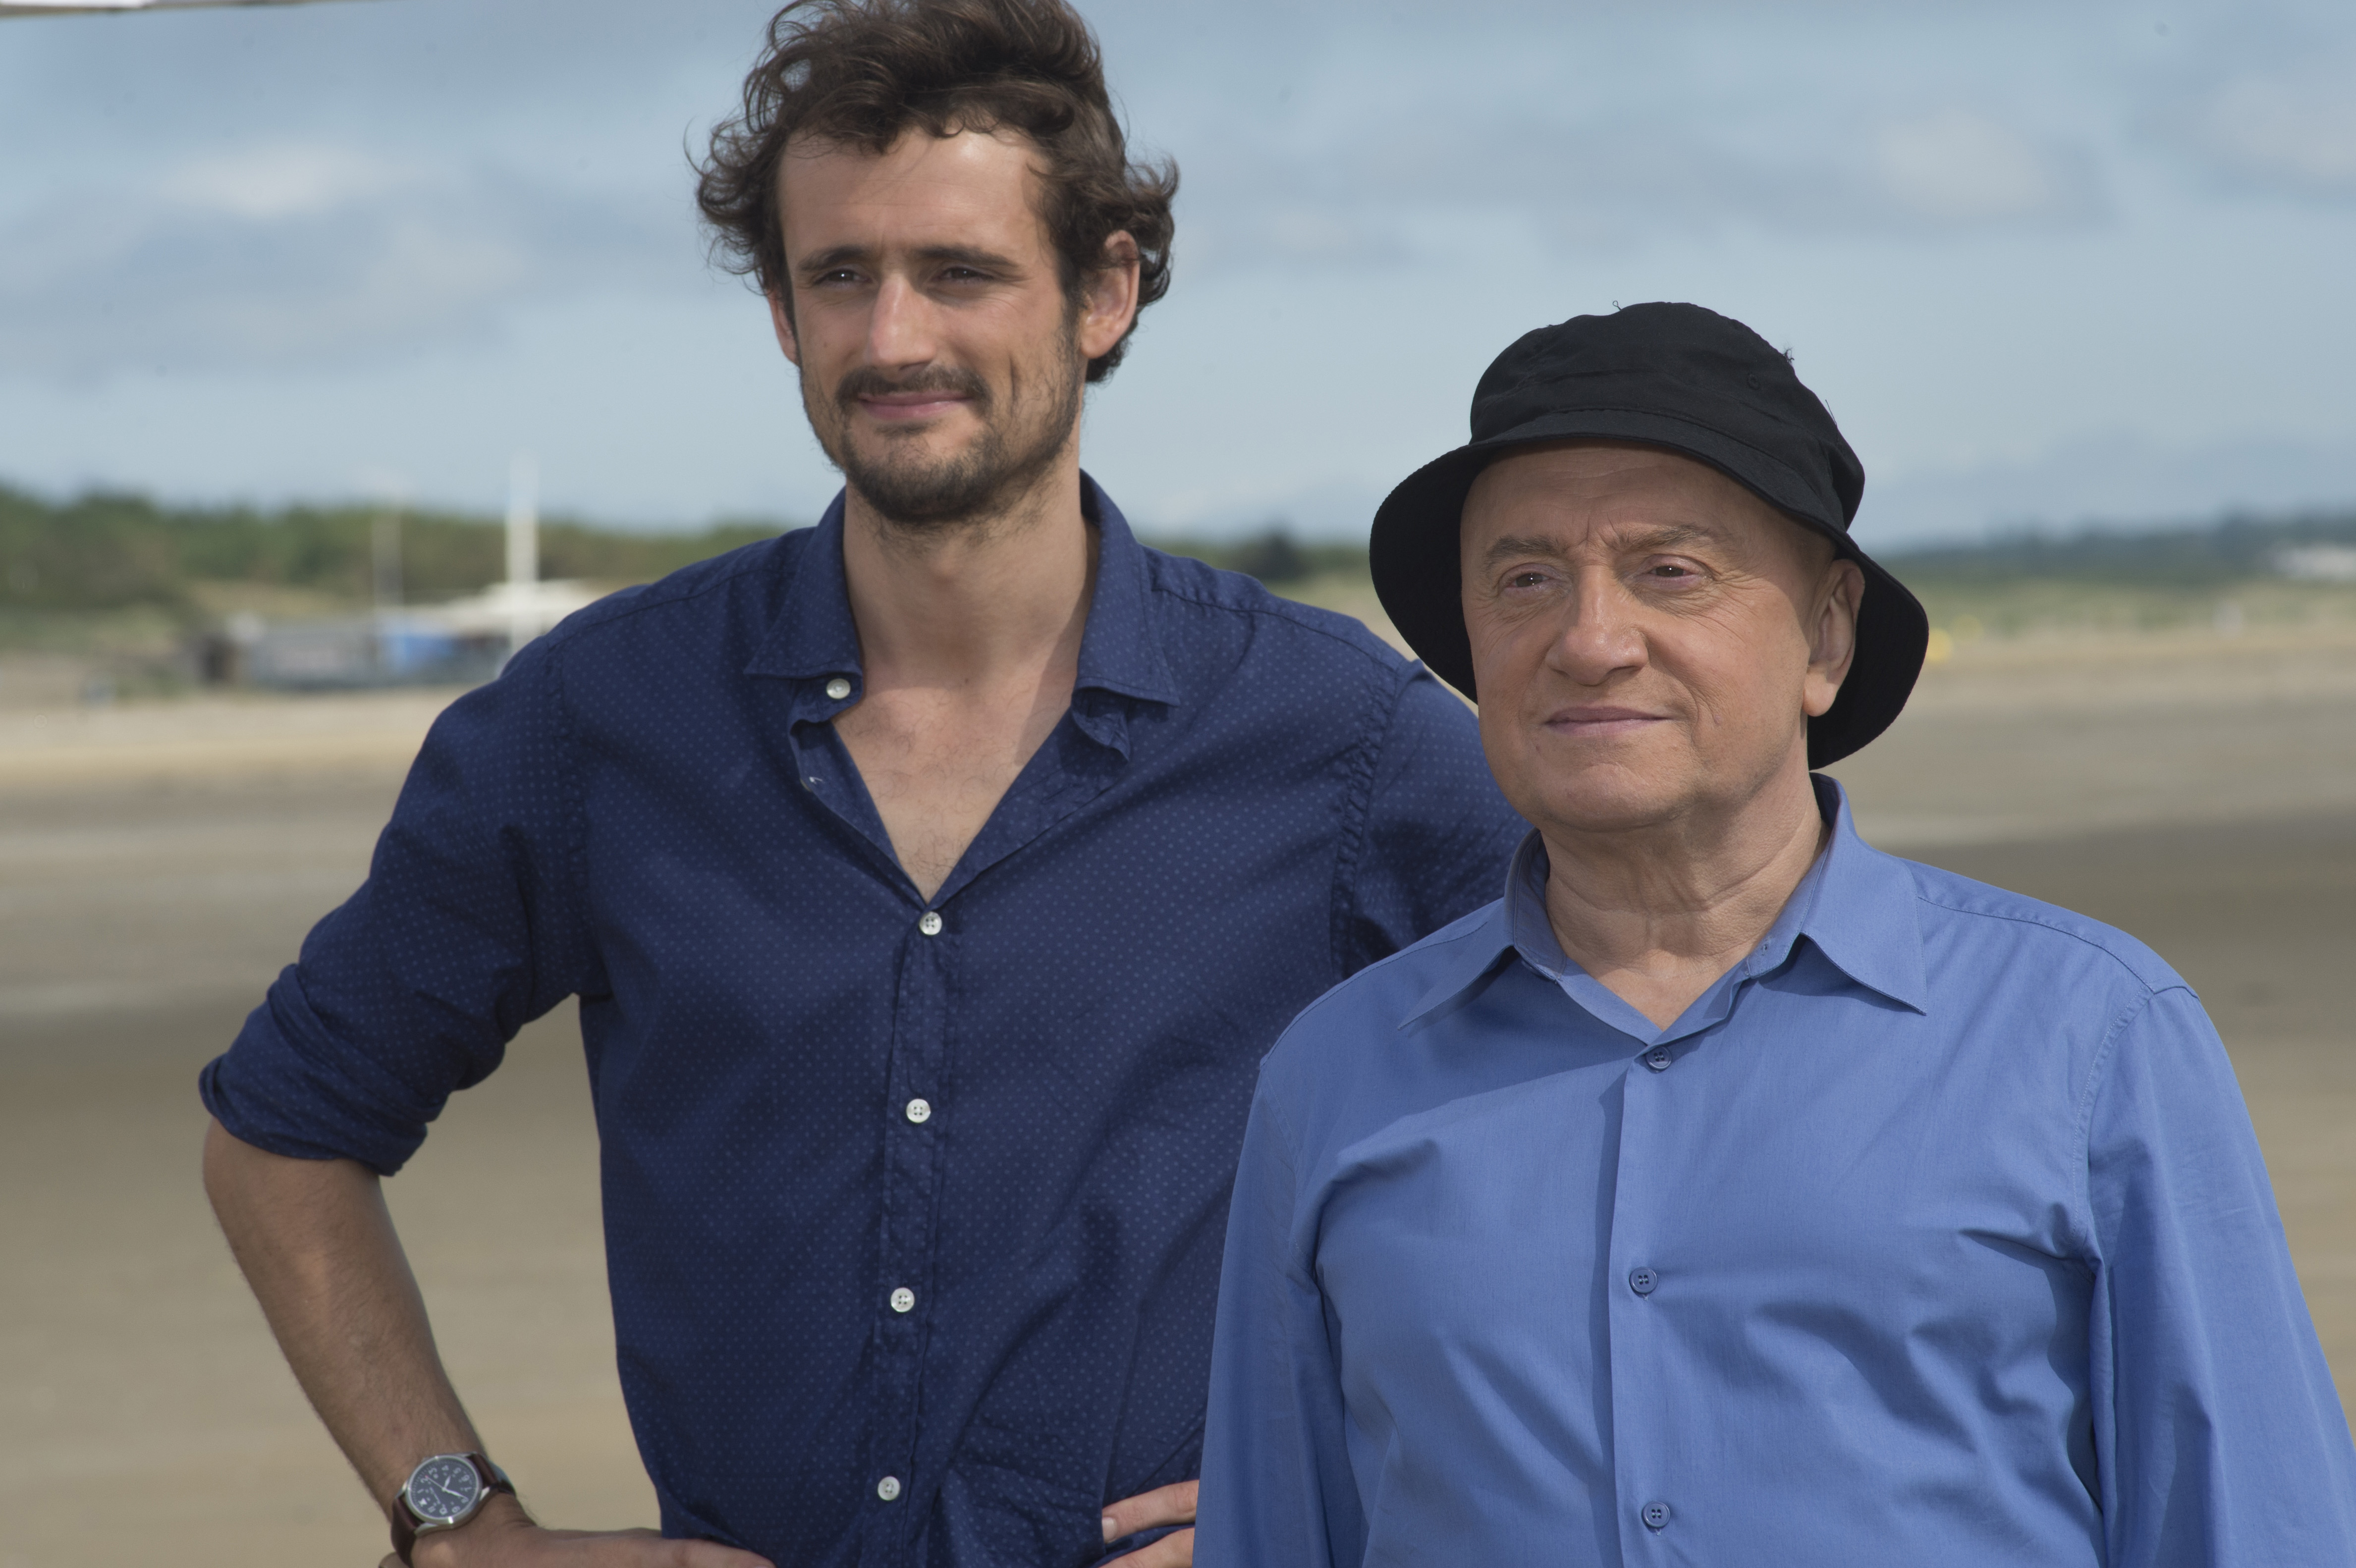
[2286,130]
[1419,183]
[1956,166]
[282,255]
[282,181]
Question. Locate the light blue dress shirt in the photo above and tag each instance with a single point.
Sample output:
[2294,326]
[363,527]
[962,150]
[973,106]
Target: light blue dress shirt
[1934,1232]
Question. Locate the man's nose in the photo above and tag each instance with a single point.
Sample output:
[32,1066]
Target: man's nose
[1599,637]
[900,331]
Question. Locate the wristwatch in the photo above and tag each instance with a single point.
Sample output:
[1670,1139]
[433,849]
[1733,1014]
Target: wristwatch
[443,1493]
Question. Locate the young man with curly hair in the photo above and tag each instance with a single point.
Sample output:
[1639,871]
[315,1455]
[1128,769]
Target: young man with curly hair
[932,881]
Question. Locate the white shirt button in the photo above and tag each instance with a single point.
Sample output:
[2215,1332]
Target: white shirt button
[903,1300]
[920,1111]
[888,1489]
[839,688]
[931,924]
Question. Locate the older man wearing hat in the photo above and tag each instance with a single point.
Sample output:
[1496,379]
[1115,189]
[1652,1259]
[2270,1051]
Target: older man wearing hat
[1730,1191]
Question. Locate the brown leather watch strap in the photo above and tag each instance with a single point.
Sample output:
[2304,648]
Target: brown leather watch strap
[404,1523]
[404,1532]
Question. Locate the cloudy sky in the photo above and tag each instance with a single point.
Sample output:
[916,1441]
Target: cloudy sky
[2046,263]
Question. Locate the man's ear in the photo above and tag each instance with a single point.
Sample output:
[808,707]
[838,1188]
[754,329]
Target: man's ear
[781,316]
[1832,644]
[1108,297]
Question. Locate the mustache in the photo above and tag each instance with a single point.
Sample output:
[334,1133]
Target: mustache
[867,380]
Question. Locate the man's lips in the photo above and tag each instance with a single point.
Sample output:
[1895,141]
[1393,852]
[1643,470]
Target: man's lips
[898,408]
[1601,723]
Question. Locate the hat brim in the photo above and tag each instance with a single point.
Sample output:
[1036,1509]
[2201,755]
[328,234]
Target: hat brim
[1413,551]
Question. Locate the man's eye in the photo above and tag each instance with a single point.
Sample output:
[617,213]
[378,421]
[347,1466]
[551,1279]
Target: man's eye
[1526,580]
[1671,571]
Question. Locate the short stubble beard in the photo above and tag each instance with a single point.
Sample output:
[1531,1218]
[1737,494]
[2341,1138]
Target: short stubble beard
[921,494]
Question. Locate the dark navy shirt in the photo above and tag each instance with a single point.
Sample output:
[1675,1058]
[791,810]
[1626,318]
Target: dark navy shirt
[914,1210]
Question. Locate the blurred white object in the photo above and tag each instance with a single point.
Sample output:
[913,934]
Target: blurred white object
[2318,562]
[523,549]
[520,611]
[458,643]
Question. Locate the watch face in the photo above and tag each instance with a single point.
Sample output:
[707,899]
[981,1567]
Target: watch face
[444,1487]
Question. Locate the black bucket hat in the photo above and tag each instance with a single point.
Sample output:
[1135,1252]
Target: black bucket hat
[1690,382]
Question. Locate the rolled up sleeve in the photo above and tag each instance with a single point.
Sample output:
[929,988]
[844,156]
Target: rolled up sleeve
[467,928]
[2219,1436]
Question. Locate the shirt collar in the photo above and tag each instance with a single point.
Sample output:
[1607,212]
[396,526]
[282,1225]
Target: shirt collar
[813,634]
[1855,905]
[814,637]
[1119,650]
[1860,911]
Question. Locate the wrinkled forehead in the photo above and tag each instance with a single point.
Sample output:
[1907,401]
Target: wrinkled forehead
[969,187]
[1570,494]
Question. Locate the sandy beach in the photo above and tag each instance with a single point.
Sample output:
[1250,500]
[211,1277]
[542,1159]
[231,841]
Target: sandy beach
[159,863]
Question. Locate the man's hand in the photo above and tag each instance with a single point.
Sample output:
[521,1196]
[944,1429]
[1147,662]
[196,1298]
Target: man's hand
[504,1536]
[1165,1505]
[317,1242]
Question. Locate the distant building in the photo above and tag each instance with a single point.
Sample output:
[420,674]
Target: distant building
[2318,562]
[461,642]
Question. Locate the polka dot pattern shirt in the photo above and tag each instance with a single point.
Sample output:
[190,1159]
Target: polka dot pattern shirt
[914,1209]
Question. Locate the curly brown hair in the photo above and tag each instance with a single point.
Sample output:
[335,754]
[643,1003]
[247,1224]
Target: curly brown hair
[863,72]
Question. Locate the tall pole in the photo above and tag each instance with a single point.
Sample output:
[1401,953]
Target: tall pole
[384,576]
[384,550]
[523,548]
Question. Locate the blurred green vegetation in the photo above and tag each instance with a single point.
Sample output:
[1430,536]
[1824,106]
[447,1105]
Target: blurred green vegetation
[1274,556]
[2013,607]
[112,570]
[2190,557]
[116,552]
[2223,576]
